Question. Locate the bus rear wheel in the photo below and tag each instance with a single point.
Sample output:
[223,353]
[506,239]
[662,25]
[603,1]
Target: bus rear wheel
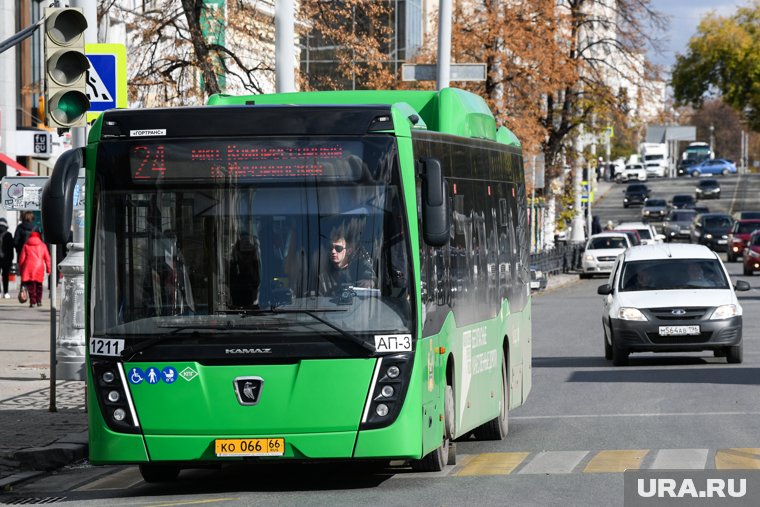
[498,427]
[446,453]
[152,472]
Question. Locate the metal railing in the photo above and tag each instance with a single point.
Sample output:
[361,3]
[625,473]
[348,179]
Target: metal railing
[563,258]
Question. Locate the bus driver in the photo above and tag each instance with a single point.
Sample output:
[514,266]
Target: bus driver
[346,266]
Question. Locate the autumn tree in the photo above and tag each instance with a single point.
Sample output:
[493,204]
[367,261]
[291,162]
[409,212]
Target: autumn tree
[347,44]
[723,59]
[524,62]
[182,51]
[604,41]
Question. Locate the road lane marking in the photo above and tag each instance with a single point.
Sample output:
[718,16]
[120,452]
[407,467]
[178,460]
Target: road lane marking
[652,414]
[554,462]
[747,458]
[123,479]
[680,459]
[616,461]
[492,463]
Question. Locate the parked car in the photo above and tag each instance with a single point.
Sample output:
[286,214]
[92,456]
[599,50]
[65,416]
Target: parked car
[707,189]
[676,224]
[632,172]
[655,169]
[674,298]
[646,232]
[683,166]
[738,237]
[537,279]
[714,166]
[654,209]
[711,230]
[680,201]
[601,251]
[752,254]
[635,193]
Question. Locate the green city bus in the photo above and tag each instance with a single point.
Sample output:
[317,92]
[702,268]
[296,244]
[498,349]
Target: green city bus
[221,326]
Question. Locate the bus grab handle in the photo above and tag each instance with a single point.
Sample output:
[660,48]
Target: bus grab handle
[57,203]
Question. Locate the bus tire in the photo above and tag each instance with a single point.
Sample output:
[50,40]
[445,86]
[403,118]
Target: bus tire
[498,427]
[152,472]
[437,460]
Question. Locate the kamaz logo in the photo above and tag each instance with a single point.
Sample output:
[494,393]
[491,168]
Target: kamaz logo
[247,351]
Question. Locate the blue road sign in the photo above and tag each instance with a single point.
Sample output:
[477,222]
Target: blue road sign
[107,78]
[101,82]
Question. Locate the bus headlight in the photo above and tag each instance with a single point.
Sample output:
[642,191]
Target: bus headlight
[390,380]
[113,396]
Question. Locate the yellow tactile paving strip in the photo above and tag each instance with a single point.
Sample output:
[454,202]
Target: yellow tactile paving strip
[616,461]
[496,463]
[747,458]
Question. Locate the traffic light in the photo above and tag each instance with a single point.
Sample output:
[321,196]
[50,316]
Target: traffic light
[65,67]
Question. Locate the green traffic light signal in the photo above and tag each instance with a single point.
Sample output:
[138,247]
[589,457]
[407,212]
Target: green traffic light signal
[65,67]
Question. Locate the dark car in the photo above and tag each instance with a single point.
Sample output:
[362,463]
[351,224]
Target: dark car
[752,254]
[635,193]
[711,229]
[684,165]
[677,223]
[654,209]
[680,201]
[737,240]
[700,209]
[747,215]
[707,189]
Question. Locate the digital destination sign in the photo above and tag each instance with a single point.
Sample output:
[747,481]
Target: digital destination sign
[231,161]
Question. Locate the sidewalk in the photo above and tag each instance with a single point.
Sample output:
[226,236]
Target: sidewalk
[33,439]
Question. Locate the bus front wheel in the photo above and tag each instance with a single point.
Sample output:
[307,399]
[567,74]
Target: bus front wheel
[446,453]
[152,472]
[498,427]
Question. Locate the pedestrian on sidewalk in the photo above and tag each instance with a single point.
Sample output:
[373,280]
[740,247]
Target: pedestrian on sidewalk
[23,230]
[34,262]
[6,255]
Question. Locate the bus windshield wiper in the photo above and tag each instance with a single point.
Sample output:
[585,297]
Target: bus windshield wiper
[344,333]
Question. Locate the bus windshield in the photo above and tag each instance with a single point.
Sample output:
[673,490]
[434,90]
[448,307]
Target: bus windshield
[282,237]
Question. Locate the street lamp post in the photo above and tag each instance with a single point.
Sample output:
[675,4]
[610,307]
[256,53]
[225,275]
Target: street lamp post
[712,139]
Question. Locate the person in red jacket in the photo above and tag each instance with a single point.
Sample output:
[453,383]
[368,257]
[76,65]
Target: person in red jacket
[34,262]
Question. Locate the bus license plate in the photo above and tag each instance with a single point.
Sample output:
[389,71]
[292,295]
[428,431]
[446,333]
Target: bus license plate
[232,447]
[678,330]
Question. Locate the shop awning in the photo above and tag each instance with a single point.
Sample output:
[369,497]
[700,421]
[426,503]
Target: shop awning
[22,171]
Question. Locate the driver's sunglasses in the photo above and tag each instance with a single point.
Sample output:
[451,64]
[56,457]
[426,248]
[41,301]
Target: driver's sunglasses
[338,248]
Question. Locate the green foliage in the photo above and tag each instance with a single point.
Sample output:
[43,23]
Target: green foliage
[723,58]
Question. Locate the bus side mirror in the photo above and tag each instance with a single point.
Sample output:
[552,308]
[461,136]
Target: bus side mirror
[57,202]
[435,213]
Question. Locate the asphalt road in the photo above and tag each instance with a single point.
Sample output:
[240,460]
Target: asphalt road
[584,422]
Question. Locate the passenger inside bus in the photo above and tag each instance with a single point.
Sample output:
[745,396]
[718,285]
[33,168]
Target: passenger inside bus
[245,269]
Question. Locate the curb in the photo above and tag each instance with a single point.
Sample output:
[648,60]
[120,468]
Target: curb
[38,460]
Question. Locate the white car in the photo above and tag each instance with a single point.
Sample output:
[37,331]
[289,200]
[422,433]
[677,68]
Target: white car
[671,298]
[632,172]
[601,252]
[656,169]
[647,232]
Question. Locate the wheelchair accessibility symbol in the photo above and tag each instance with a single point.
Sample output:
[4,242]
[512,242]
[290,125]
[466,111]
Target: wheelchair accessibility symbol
[135,376]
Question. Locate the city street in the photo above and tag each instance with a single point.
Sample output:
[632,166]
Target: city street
[583,424]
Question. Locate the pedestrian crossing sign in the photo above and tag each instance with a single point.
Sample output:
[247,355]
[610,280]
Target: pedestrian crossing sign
[106,78]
